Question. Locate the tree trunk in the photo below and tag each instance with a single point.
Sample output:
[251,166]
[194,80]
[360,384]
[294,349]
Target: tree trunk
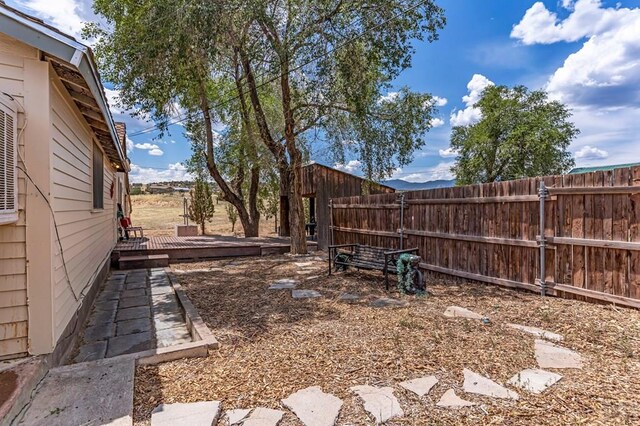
[202,225]
[296,209]
[285,187]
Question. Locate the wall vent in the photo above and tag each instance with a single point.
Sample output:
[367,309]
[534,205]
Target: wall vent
[8,161]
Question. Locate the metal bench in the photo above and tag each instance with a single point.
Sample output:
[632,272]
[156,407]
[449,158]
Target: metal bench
[366,257]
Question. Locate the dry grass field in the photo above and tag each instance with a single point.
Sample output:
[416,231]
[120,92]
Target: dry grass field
[159,213]
[272,345]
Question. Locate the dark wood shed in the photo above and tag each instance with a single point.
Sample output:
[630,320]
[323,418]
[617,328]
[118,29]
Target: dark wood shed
[321,183]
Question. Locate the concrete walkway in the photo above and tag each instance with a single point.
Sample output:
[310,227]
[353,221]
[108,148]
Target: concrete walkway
[96,393]
[134,311]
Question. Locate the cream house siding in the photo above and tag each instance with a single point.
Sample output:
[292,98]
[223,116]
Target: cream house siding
[13,276]
[87,236]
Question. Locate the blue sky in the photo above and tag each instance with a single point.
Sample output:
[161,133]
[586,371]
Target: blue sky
[585,53]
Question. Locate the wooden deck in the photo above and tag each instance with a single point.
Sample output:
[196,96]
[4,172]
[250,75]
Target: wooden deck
[204,247]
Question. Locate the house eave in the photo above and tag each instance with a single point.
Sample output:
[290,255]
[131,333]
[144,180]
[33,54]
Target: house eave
[73,55]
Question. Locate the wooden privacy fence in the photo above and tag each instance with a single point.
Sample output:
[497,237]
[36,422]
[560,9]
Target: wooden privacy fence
[491,232]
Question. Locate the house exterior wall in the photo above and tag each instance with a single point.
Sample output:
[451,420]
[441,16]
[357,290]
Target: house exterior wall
[56,144]
[87,236]
[14,314]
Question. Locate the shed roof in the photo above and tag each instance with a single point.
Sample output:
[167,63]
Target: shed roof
[351,176]
[76,67]
[579,170]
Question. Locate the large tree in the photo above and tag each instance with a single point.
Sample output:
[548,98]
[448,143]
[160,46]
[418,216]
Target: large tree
[329,62]
[521,134]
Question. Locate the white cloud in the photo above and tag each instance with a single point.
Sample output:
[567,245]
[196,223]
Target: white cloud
[442,171]
[146,145]
[62,14]
[352,166]
[156,152]
[470,114]
[541,26]
[129,145]
[175,171]
[389,97]
[591,153]
[438,101]
[437,122]
[448,153]
[605,72]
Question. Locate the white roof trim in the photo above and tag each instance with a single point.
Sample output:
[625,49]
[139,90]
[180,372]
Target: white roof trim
[66,49]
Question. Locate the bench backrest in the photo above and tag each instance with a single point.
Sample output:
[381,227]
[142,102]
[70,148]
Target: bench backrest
[369,253]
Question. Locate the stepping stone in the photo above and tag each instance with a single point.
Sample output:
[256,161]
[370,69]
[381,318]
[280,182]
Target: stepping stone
[538,332]
[380,403]
[385,302]
[420,386]
[284,284]
[264,417]
[549,355]
[193,414]
[475,383]
[458,312]
[348,297]
[236,416]
[106,305]
[534,380]
[305,294]
[451,400]
[314,407]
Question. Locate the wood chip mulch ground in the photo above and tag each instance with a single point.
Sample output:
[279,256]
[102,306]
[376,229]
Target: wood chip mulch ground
[272,345]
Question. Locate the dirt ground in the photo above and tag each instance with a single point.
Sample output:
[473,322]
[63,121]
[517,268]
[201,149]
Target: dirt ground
[272,345]
[159,213]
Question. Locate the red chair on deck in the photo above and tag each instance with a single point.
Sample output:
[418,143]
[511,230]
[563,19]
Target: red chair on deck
[125,222]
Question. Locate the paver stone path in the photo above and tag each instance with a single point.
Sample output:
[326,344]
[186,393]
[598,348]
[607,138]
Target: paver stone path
[203,413]
[235,417]
[538,332]
[458,312]
[549,355]
[380,403]
[420,386]
[534,380]
[451,400]
[264,417]
[314,407]
[476,383]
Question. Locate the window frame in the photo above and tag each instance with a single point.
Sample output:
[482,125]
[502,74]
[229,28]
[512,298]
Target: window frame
[97,178]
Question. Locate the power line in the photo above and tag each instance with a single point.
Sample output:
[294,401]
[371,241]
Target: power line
[296,68]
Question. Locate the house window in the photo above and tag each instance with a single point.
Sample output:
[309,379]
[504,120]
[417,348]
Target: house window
[98,178]
[8,155]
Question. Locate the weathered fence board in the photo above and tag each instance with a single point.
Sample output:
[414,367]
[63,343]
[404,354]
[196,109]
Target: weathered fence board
[491,232]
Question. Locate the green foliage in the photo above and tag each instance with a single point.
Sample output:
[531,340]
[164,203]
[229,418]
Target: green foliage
[521,134]
[201,207]
[232,215]
[135,190]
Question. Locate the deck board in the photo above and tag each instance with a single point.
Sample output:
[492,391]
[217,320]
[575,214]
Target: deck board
[204,247]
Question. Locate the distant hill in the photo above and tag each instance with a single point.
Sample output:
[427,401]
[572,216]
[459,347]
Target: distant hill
[403,185]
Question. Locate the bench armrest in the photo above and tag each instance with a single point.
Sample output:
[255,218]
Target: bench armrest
[389,253]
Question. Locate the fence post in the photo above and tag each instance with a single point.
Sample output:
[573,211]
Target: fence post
[543,193]
[402,221]
[331,237]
